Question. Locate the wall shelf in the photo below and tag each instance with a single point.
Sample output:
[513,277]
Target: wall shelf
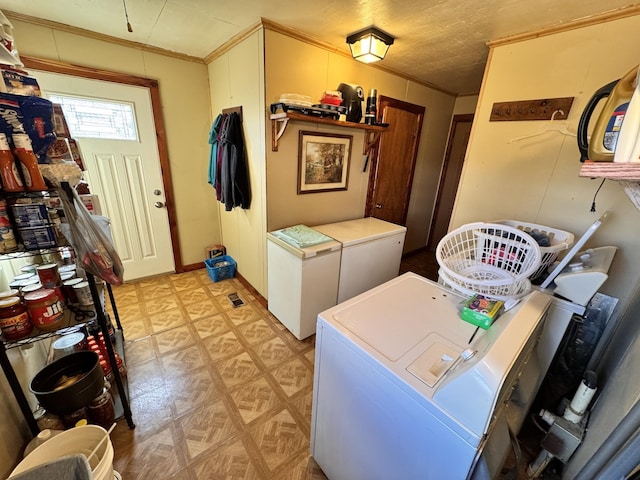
[610,170]
[279,122]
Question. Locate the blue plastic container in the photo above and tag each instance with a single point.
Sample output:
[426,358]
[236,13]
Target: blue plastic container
[221,268]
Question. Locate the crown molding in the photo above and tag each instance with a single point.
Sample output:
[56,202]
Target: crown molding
[616,14]
[232,42]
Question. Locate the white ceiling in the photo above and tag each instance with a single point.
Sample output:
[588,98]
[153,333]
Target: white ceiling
[440,42]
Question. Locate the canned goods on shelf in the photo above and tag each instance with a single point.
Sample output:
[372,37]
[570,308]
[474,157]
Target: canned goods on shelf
[49,275]
[67,269]
[30,288]
[7,237]
[101,409]
[45,309]
[24,276]
[12,292]
[72,419]
[64,276]
[68,290]
[48,420]
[29,268]
[83,293]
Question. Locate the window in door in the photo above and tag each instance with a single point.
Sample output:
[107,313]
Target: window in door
[90,118]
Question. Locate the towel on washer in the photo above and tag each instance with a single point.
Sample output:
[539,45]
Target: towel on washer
[302,236]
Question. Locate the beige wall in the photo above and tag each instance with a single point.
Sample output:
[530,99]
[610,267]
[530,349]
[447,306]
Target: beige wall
[185,109]
[237,79]
[292,66]
[465,105]
[536,180]
[298,67]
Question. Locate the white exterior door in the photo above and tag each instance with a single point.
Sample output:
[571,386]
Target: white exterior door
[125,174]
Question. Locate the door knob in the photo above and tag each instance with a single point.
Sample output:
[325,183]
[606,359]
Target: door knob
[159,204]
[378,205]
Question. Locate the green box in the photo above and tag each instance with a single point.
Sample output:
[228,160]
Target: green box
[481,311]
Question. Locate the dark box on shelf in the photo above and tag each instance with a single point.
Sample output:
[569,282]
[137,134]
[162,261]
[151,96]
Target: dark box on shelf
[30,215]
[35,238]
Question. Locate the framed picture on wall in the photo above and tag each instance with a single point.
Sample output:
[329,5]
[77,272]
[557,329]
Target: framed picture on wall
[323,162]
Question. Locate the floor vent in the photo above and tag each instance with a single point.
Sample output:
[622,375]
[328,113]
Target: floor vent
[235,300]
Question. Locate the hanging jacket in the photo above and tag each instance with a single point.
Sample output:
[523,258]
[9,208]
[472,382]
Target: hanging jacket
[219,166]
[234,181]
[213,155]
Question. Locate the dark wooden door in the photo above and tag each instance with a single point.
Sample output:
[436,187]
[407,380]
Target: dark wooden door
[391,173]
[450,177]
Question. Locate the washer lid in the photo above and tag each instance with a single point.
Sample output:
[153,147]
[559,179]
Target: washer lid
[398,315]
[353,232]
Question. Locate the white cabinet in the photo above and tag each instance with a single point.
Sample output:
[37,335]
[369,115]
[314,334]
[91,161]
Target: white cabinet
[371,253]
[302,282]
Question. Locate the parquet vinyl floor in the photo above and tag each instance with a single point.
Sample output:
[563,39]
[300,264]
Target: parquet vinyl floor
[216,392]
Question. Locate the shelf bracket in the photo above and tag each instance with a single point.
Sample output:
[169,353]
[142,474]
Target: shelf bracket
[371,139]
[278,126]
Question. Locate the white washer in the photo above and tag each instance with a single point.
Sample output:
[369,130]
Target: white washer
[393,397]
[371,253]
[301,282]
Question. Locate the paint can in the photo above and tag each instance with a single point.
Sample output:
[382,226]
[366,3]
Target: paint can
[49,275]
[83,293]
[69,292]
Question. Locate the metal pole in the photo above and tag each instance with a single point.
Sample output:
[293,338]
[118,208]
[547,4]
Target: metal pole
[102,321]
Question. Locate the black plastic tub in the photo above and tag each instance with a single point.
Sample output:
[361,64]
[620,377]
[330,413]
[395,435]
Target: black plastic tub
[84,368]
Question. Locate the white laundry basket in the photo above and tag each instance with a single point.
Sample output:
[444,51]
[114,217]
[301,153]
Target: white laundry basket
[491,259]
[559,241]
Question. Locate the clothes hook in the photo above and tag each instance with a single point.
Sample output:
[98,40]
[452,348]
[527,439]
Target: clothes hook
[553,115]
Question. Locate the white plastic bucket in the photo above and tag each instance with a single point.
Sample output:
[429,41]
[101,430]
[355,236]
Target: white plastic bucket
[70,442]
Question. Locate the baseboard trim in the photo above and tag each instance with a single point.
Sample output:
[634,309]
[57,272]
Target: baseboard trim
[253,291]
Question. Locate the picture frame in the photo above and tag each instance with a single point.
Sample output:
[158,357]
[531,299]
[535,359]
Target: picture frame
[324,160]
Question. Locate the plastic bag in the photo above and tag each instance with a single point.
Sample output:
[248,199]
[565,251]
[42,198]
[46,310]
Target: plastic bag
[93,249]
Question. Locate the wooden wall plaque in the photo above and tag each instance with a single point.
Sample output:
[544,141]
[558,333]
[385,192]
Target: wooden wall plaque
[541,109]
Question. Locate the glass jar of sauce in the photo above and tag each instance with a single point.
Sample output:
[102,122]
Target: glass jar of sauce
[14,319]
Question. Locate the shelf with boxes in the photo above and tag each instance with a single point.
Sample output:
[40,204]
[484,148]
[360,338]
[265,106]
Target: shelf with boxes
[30,221]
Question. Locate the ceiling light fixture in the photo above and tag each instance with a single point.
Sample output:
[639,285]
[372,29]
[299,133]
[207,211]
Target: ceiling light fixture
[369,45]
